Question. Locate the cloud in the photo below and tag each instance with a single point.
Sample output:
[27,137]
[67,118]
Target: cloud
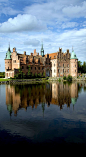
[33,42]
[75,11]
[20,23]
[57,11]
[69,25]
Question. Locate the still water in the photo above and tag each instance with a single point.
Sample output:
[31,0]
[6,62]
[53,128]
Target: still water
[43,114]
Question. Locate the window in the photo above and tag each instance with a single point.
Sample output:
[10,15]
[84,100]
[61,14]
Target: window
[75,70]
[75,65]
[31,68]
[54,56]
[68,70]
[63,70]
[27,67]
[39,68]
[54,65]
[63,65]
[42,68]
[14,61]
[35,68]
[54,70]
[68,65]
[22,67]
[58,70]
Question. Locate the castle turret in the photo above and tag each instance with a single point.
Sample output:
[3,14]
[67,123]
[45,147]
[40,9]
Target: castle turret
[8,60]
[42,51]
[73,64]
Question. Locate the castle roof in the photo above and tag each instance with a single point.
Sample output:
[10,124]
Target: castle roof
[8,54]
[52,55]
[73,55]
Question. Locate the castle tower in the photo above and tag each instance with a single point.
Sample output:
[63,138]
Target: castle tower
[42,50]
[8,60]
[73,64]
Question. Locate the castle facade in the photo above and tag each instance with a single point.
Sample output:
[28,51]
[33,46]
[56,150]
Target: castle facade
[56,64]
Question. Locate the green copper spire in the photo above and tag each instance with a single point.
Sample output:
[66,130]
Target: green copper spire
[73,55]
[8,54]
[42,50]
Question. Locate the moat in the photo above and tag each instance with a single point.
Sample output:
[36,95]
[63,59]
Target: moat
[43,115]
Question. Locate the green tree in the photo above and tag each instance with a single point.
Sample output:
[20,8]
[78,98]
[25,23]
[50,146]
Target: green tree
[69,78]
[29,72]
[79,66]
[35,74]
[84,67]
[43,74]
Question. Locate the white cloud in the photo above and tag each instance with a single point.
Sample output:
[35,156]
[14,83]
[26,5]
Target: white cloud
[33,42]
[57,11]
[69,25]
[75,11]
[20,23]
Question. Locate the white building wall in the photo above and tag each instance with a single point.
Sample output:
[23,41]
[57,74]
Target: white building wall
[54,67]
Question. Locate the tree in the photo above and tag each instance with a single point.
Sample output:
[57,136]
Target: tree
[29,72]
[84,67]
[43,74]
[79,66]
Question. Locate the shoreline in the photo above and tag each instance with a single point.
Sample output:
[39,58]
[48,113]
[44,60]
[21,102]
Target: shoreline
[38,80]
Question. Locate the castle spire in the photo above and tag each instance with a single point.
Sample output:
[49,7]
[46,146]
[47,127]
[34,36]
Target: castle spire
[42,50]
[9,47]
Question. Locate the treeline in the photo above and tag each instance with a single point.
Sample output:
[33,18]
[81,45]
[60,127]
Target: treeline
[2,74]
[21,75]
[81,67]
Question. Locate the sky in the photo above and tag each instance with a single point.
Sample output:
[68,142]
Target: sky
[58,23]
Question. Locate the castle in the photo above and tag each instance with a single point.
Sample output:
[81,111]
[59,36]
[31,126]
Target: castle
[56,64]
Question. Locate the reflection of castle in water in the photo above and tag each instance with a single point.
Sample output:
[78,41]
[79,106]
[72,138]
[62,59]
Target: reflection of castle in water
[64,94]
[22,96]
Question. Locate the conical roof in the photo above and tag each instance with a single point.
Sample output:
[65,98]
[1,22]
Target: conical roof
[73,55]
[8,54]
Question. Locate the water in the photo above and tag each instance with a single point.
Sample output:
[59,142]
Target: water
[43,115]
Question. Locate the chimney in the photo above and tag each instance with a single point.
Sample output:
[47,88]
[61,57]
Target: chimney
[67,50]
[35,51]
[24,52]
[31,54]
[47,55]
[14,49]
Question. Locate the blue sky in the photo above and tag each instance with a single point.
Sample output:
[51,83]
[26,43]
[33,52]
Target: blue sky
[59,23]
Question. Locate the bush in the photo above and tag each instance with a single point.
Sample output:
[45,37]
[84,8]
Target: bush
[69,78]
[59,80]
[64,78]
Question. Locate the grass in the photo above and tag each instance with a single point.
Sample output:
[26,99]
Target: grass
[2,79]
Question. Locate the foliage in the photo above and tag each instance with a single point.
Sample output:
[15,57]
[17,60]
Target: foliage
[69,78]
[81,67]
[59,80]
[29,72]
[43,74]
[2,74]
[64,78]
